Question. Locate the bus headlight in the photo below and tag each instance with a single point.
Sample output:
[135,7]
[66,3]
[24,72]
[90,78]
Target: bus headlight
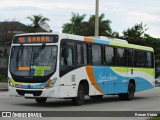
[51,83]
[11,83]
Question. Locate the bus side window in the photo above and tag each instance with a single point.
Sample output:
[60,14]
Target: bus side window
[149,60]
[109,56]
[66,60]
[70,57]
[96,55]
[85,53]
[120,57]
[131,58]
[81,54]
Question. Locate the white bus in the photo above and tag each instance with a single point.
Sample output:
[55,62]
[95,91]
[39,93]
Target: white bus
[46,65]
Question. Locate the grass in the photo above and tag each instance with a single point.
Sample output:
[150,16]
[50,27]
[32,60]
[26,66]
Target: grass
[155,118]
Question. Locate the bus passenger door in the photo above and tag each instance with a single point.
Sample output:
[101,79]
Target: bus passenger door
[67,67]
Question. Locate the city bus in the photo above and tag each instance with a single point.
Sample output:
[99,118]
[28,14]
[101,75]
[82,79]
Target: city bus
[58,65]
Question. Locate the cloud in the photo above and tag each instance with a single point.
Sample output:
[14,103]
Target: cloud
[122,13]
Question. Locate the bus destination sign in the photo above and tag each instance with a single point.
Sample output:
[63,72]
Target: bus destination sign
[35,39]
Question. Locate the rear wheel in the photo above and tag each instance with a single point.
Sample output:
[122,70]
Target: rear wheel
[79,100]
[41,100]
[130,94]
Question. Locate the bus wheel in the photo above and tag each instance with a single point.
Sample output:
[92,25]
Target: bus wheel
[130,94]
[40,100]
[96,97]
[79,100]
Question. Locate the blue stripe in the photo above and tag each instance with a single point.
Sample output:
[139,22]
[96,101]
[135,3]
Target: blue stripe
[37,86]
[101,41]
[111,83]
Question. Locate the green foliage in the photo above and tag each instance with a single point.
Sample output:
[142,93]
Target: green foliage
[3,75]
[6,37]
[36,21]
[78,26]
[75,25]
[135,35]
[155,118]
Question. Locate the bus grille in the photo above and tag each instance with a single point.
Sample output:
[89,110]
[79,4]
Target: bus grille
[23,92]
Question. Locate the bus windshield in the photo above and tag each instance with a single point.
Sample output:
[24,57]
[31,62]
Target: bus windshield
[33,60]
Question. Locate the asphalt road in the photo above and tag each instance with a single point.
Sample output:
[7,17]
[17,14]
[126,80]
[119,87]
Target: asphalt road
[144,101]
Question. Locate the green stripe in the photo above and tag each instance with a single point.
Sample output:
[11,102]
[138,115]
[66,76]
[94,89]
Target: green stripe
[13,82]
[131,46]
[149,71]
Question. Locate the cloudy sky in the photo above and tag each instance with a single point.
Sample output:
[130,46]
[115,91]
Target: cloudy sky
[122,13]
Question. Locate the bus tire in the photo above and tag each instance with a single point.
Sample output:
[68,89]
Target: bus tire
[96,97]
[130,94]
[79,100]
[41,100]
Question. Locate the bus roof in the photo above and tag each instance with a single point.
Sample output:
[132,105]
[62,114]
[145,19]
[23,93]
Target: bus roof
[100,40]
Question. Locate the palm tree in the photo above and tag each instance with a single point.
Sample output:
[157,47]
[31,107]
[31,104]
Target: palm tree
[78,26]
[37,21]
[104,26]
[74,27]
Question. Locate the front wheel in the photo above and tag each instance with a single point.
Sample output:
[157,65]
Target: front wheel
[130,94]
[41,100]
[79,100]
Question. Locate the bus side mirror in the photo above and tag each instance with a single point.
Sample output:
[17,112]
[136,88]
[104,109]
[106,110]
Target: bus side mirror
[65,52]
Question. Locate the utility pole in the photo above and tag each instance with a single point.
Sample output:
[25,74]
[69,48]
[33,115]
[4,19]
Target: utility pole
[97,19]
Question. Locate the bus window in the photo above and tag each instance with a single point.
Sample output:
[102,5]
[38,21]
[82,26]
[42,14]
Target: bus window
[109,56]
[70,57]
[96,55]
[149,60]
[81,54]
[67,60]
[140,59]
[85,53]
[131,58]
[120,57]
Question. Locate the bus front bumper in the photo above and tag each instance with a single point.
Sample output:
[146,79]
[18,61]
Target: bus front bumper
[54,92]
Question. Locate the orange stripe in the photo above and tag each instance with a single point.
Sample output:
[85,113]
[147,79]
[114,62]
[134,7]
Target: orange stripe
[92,79]
[88,39]
[23,68]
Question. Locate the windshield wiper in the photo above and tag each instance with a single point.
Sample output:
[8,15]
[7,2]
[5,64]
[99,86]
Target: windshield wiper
[37,52]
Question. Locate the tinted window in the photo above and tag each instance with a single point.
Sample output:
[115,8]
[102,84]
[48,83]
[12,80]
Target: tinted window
[131,58]
[81,54]
[67,60]
[140,59]
[85,53]
[109,56]
[149,60]
[120,57]
[70,57]
[96,55]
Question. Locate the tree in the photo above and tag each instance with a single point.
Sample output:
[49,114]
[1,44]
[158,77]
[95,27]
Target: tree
[115,35]
[75,25]
[78,26]
[104,26]
[135,34]
[37,21]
